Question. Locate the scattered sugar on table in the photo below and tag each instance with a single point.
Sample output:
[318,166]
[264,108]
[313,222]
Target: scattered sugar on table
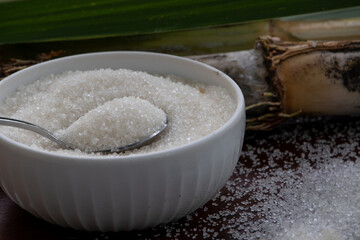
[296,183]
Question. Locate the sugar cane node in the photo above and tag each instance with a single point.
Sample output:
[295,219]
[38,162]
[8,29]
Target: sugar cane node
[314,77]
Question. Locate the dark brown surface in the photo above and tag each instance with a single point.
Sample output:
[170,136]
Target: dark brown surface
[219,218]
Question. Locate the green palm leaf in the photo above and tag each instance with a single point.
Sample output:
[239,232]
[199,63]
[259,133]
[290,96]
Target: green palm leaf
[42,20]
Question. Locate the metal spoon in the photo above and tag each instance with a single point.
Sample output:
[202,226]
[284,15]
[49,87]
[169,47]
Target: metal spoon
[45,133]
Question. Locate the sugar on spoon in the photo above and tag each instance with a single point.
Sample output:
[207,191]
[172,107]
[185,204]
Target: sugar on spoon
[119,110]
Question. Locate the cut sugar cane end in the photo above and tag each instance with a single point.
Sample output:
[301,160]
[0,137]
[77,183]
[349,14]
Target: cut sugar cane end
[282,79]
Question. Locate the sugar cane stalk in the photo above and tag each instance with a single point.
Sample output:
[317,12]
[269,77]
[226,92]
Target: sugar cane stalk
[282,79]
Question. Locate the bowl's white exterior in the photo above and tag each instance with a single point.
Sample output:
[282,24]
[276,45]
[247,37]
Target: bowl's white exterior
[121,193]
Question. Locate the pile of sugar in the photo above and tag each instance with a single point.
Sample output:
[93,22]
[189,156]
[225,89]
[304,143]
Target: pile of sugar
[115,124]
[55,102]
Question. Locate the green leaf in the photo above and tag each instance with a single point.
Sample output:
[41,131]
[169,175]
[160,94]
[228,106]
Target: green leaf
[58,20]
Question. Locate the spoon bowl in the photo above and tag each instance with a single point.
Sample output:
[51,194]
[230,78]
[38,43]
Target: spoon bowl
[11,122]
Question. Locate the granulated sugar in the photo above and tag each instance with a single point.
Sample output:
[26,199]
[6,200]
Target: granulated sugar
[313,196]
[57,101]
[309,203]
[115,124]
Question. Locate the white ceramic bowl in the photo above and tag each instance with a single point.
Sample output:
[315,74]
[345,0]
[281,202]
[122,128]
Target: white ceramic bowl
[129,192]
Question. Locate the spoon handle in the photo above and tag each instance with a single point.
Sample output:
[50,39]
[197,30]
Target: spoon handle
[31,127]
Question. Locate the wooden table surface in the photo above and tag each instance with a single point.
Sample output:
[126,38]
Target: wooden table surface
[224,217]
